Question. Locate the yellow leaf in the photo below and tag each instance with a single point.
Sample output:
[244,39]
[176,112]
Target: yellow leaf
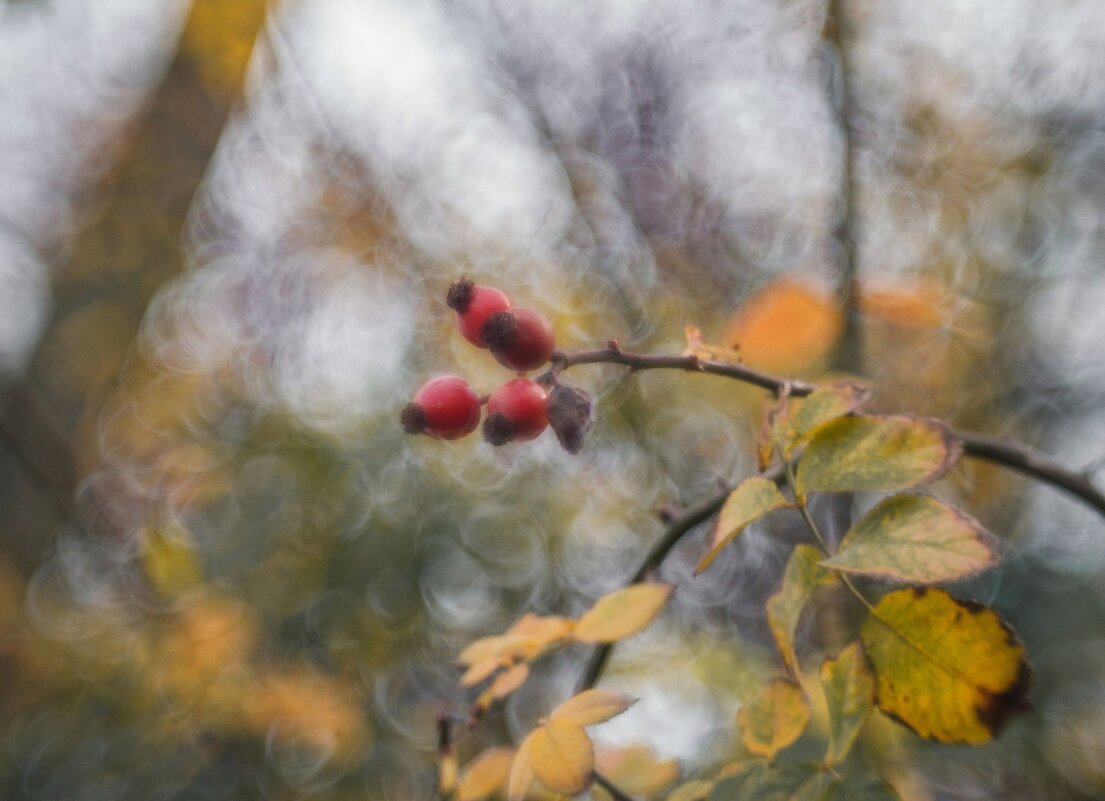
[592,706]
[951,670]
[917,539]
[849,691]
[635,770]
[446,771]
[480,671]
[562,757]
[508,681]
[521,771]
[486,774]
[482,649]
[696,790]
[774,719]
[787,326]
[622,613]
[542,630]
[876,453]
[820,407]
[752,499]
[802,576]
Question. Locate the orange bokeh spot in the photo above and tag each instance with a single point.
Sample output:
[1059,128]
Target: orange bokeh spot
[786,326]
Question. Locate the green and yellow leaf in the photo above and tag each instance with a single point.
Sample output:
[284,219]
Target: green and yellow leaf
[793,782]
[592,706]
[849,693]
[950,670]
[774,719]
[801,578]
[485,775]
[521,771]
[853,454]
[562,757]
[917,539]
[749,501]
[622,613]
[696,790]
[820,407]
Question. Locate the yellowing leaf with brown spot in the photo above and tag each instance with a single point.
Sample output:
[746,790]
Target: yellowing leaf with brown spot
[950,670]
[917,539]
[774,719]
[752,499]
[820,407]
[801,578]
[592,706]
[635,770]
[486,774]
[562,757]
[786,327]
[849,693]
[622,613]
[521,771]
[854,454]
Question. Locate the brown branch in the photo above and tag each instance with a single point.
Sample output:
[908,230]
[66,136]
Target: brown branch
[672,534]
[1014,456]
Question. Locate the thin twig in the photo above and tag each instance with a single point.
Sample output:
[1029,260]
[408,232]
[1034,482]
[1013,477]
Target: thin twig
[850,347]
[607,785]
[1014,456]
[672,534]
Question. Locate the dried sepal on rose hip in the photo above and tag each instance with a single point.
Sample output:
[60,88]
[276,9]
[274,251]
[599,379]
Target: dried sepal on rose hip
[520,338]
[445,407]
[570,418]
[474,304]
[515,412]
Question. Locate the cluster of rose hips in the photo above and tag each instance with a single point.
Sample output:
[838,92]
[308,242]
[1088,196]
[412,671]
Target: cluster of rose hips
[521,339]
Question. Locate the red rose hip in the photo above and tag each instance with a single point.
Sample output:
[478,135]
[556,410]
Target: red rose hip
[445,408]
[474,304]
[516,412]
[519,338]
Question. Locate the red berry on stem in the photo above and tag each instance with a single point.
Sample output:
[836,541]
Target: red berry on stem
[445,408]
[474,304]
[515,412]
[519,338]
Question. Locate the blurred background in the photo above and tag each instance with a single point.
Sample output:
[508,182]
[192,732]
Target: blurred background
[226,230]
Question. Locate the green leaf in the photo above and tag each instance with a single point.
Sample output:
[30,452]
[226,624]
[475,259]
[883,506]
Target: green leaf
[760,782]
[849,692]
[774,719]
[852,454]
[952,671]
[803,781]
[917,539]
[861,787]
[695,790]
[801,578]
[752,499]
[822,406]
